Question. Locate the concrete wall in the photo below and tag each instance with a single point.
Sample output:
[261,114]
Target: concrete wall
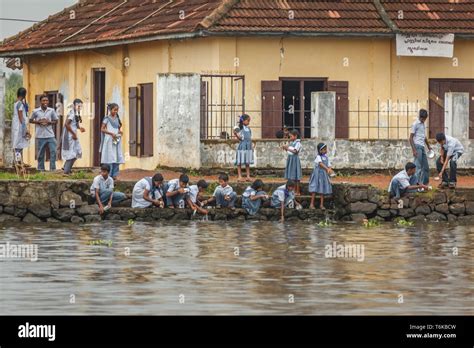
[2,116]
[378,154]
[178,106]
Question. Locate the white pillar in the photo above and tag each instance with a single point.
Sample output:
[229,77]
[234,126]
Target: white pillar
[456,116]
[323,115]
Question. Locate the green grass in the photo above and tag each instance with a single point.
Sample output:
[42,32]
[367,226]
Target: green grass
[45,176]
[371,223]
[212,187]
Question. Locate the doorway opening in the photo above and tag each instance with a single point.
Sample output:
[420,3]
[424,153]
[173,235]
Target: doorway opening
[98,110]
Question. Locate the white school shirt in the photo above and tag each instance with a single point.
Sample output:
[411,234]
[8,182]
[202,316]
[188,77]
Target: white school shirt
[419,130]
[224,190]
[193,193]
[452,146]
[403,179]
[137,195]
[102,184]
[319,160]
[43,132]
[297,147]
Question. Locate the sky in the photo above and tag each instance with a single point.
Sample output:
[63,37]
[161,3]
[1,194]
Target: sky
[26,9]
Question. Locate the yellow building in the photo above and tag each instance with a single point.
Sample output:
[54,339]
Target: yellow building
[264,58]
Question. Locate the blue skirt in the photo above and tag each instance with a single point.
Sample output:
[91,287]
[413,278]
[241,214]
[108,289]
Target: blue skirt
[319,182]
[293,168]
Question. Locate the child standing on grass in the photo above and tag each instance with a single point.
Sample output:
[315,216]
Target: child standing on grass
[70,146]
[253,197]
[111,144]
[20,134]
[293,164]
[194,196]
[244,152]
[319,181]
[224,194]
[284,197]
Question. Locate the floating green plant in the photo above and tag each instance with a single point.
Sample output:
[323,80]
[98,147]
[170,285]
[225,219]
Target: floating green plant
[101,242]
[325,223]
[404,223]
[131,222]
[369,223]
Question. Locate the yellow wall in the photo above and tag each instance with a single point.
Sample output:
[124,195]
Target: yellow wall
[371,67]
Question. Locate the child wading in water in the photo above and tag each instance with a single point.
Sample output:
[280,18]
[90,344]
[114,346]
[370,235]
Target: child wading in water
[111,145]
[244,151]
[253,197]
[293,163]
[319,181]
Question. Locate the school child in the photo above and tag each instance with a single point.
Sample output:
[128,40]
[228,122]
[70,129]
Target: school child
[111,144]
[177,191]
[284,197]
[319,181]
[418,141]
[45,118]
[244,150]
[102,190]
[404,182]
[20,134]
[451,150]
[70,146]
[253,197]
[148,192]
[293,164]
[194,196]
[224,194]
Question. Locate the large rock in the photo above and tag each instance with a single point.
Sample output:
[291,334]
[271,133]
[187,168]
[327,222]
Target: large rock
[9,210]
[40,210]
[70,199]
[452,218]
[52,220]
[457,208]
[64,214]
[439,198]
[9,218]
[31,219]
[92,218]
[77,220]
[466,219]
[362,207]
[357,195]
[469,208]
[417,218]
[358,217]
[435,216]
[113,217]
[406,212]
[92,209]
[384,213]
[423,210]
[442,208]
[20,212]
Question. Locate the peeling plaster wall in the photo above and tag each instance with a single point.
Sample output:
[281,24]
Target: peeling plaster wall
[364,154]
[2,115]
[178,105]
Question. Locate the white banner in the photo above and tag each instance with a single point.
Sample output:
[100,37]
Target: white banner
[422,45]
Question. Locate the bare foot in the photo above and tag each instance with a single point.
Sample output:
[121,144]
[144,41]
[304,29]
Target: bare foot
[322,207]
[248,179]
[312,207]
[241,180]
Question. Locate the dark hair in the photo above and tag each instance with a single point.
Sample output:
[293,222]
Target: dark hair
[44,95]
[224,177]
[423,113]
[157,177]
[202,184]
[320,147]
[105,167]
[21,92]
[111,106]
[295,132]
[77,101]
[257,184]
[440,137]
[290,183]
[184,178]
[242,119]
[78,115]
[280,134]
[410,165]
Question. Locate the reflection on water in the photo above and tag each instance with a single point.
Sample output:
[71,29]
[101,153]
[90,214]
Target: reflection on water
[237,268]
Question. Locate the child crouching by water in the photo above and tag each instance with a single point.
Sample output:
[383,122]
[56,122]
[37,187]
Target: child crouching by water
[253,197]
[194,197]
[284,197]
[102,190]
[177,191]
[149,191]
[224,194]
[319,181]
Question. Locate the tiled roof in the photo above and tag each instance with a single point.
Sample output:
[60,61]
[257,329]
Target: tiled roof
[107,22]
[303,16]
[432,16]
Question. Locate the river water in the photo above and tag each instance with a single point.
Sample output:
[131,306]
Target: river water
[238,268]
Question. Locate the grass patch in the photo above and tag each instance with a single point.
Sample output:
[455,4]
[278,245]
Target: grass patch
[211,187]
[45,176]
[371,223]
[404,223]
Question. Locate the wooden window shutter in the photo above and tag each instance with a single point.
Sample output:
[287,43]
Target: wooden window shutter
[272,108]
[146,120]
[133,120]
[342,107]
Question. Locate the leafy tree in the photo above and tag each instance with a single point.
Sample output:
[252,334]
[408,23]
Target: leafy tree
[13,82]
